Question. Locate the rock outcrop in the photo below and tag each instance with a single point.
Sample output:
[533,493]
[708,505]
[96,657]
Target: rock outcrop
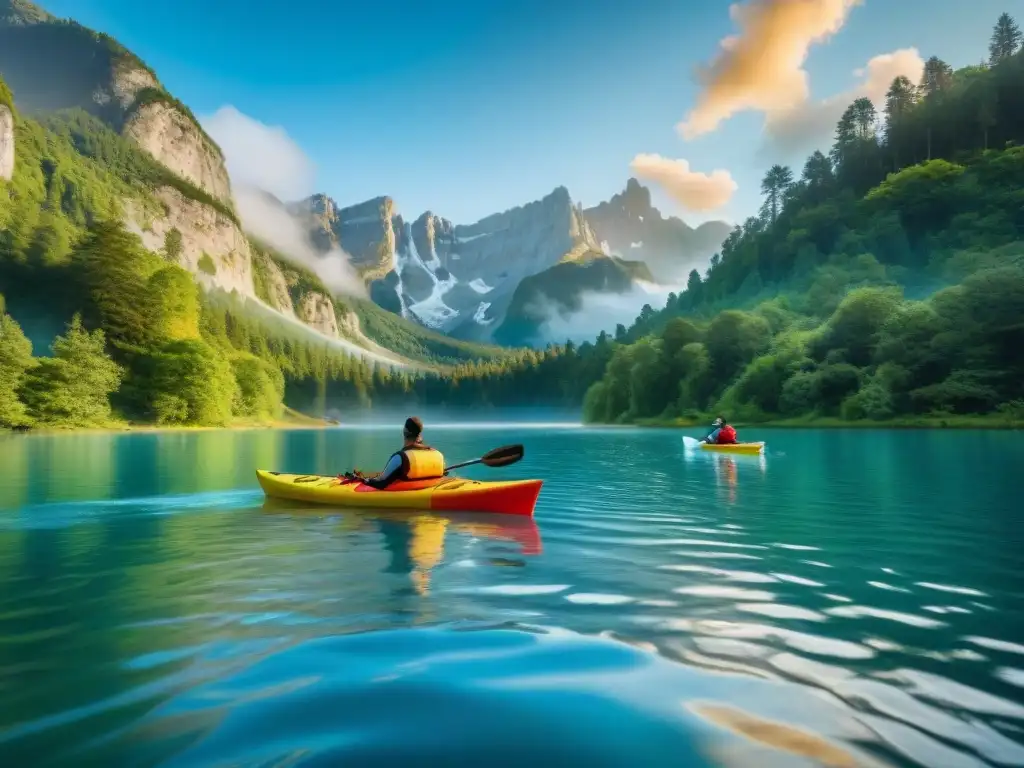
[629,226]
[434,238]
[6,142]
[56,64]
[365,231]
[317,311]
[213,247]
[179,145]
[279,297]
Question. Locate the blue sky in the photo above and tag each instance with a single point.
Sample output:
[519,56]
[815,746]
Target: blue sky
[466,107]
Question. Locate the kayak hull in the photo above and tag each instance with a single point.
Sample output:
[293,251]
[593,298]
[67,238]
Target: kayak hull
[746,448]
[449,494]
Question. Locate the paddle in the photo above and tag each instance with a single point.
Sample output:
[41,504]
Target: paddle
[499,457]
[690,443]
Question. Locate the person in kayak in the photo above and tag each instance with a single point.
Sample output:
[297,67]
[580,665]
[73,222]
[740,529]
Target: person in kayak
[721,433]
[415,461]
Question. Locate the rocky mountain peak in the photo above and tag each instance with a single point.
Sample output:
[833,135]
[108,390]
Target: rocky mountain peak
[637,200]
[628,225]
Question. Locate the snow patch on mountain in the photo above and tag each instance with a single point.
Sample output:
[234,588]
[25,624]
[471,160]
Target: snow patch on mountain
[481,311]
[432,311]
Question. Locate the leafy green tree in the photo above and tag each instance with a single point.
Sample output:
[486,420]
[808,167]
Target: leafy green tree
[112,268]
[73,387]
[15,361]
[190,383]
[173,300]
[260,389]
[173,245]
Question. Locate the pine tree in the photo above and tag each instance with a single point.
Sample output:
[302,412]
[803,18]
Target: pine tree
[774,186]
[1006,40]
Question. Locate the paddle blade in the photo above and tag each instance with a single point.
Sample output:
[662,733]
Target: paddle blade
[502,457]
[690,443]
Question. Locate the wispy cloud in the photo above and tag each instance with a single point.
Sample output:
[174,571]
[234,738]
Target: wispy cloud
[762,67]
[261,158]
[260,155]
[693,190]
[810,125]
[598,312]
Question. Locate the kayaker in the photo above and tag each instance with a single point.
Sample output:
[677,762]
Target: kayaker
[721,433]
[415,461]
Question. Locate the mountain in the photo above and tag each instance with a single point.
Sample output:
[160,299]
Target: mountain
[629,226]
[90,134]
[463,279]
[458,279]
[54,64]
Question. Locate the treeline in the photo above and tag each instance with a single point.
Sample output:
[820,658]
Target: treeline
[807,310]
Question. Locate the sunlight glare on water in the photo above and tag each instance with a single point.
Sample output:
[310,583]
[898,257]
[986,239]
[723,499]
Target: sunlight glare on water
[848,598]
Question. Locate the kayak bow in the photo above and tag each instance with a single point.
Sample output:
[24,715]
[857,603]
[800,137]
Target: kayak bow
[447,494]
[747,448]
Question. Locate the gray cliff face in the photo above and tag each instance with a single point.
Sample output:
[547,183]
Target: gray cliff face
[364,231]
[208,238]
[434,237]
[317,311]
[6,143]
[538,235]
[629,226]
[175,142]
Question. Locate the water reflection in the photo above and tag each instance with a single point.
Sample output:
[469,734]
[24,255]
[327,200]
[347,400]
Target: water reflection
[415,540]
[728,469]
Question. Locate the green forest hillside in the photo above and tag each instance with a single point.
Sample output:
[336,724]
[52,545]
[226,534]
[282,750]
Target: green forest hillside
[886,282]
[157,348]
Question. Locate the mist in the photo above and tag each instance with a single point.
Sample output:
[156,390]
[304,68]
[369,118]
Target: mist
[600,312]
[267,166]
[271,222]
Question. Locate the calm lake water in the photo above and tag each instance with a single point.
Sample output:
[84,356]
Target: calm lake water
[853,598]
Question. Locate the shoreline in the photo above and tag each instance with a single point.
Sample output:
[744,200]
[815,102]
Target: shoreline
[290,420]
[988,422]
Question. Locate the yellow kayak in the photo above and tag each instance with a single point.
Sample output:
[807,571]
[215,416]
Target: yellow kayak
[448,494]
[747,448]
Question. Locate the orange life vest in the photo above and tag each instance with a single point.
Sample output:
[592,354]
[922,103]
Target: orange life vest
[421,462]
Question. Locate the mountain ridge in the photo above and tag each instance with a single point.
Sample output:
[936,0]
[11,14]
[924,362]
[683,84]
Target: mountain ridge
[423,269]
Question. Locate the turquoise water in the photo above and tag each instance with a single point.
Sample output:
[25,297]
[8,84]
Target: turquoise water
[852,598]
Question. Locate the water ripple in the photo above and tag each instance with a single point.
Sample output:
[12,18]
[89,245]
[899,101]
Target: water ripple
[814,608]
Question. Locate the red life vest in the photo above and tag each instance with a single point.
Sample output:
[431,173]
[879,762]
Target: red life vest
[727,435]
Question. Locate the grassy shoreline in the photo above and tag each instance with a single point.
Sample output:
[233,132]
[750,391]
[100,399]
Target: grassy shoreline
[290,419]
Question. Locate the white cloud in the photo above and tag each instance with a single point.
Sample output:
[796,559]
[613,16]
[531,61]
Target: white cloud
[260,159]
[811,124]
[260,155]
[761,68]
[600,312]
[693,190]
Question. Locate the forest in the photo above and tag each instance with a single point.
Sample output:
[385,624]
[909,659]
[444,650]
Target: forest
[884,283]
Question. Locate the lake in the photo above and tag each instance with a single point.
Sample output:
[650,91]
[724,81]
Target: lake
[851,598]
